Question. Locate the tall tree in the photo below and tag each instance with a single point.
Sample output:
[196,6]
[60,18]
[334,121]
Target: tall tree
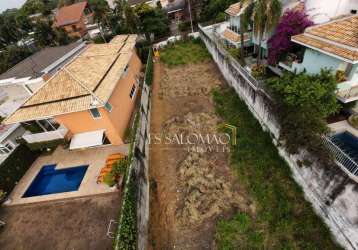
[245,21]
[266,14]
[101,11]
[152,20]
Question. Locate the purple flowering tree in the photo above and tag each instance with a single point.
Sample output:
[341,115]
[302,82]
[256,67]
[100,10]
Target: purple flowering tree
[292,22]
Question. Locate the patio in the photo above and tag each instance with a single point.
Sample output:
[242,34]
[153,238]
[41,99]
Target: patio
[93,157]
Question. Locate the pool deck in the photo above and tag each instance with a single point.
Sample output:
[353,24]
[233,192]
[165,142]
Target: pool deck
[343,126]
[64,158]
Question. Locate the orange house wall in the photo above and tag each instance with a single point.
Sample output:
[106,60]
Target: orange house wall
[115,122]
[80,25]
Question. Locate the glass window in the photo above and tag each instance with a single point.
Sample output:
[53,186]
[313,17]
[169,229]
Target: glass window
[131,95]
[95,113]
[108,107]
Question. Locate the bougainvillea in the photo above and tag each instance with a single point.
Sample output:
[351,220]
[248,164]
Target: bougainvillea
[292,23]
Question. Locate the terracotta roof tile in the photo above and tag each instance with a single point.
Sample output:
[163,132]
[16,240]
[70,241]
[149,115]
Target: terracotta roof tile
[326,47]
[96,70]
[343,31]
[70,14]
[339,37]
[234,9]
[233,36]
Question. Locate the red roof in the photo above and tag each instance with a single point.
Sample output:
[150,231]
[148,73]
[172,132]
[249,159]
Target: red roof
[70,14]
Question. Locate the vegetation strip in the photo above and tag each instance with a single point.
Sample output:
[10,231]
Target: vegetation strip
[283,218]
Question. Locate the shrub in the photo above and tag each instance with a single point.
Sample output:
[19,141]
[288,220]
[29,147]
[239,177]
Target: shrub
[258,70]
[120,167]
[353,120]
[149,69]
[126,238]
[184,26]
[234,52]
[109,179]
[291,23]
[304,102]
[340,76]
[15,166]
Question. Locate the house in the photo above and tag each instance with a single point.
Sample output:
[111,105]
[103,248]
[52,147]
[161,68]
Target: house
[230,33]
[8,136]
[91,98]
[22,80]
[73,19]
[334,46]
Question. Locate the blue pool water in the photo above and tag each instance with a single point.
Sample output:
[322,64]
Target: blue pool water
[348,143]
[51,181]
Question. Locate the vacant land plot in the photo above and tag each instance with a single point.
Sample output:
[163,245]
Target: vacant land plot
[242,199]
[71,224]
[190,189]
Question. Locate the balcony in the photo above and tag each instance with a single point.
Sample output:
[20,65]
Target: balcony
[347,91]
[43,131]
[290,63]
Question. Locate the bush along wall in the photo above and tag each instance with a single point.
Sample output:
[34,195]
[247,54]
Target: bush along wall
[149,69]
[15,166]
[126,237]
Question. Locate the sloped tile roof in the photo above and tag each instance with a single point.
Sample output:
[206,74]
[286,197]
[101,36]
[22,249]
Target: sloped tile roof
[233,36]
[92,75]
[339,38]
[234,9]
[70,14]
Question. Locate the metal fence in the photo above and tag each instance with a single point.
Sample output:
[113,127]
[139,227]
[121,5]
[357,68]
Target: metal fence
[342,159]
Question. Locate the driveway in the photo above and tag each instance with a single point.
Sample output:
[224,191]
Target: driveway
[70,224]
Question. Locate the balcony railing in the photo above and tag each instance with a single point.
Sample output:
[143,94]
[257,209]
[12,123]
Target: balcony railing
[45,136]
[348,95]
[342,159]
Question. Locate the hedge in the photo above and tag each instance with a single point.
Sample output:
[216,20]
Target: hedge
[149,69]
[127,234]
[15,166]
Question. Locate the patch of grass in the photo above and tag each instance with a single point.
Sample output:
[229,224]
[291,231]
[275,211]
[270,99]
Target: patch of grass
[283,219]
[184,52]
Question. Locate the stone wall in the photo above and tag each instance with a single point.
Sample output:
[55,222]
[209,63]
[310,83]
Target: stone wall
[333,195]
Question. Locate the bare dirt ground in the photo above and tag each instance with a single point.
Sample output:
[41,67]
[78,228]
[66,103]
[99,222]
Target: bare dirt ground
[71,224]
[190,189]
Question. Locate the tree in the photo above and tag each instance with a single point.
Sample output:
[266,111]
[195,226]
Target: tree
[291,23]
[152,20]
[101,11]
[213,9]
[11,56]
[245,21]
[266,14]
[304,102]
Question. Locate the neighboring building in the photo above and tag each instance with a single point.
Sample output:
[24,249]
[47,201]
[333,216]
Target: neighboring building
[333,45]
[19,82]
[8,135]
[175,9]
[73,19]
[320,12]
[230,32]
[92,97]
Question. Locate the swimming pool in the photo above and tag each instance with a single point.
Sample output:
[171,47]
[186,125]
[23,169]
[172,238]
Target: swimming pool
[50,180]
[347,143]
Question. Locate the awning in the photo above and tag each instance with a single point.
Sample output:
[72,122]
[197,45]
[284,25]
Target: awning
[87,139]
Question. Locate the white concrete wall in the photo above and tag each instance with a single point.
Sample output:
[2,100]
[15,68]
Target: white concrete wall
[322,11]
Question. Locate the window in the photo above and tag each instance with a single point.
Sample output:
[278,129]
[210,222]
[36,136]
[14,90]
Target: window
[95,113]
[108,107]
[131,95]
[7,148]
[125,71]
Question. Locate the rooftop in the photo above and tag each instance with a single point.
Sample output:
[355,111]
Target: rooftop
[34,64]
[234,9]
[85,82]
[233,36]
[70,14]
[338,38]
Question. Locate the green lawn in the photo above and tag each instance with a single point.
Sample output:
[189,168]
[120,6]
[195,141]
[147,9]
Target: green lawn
[180,53]
[283,219]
